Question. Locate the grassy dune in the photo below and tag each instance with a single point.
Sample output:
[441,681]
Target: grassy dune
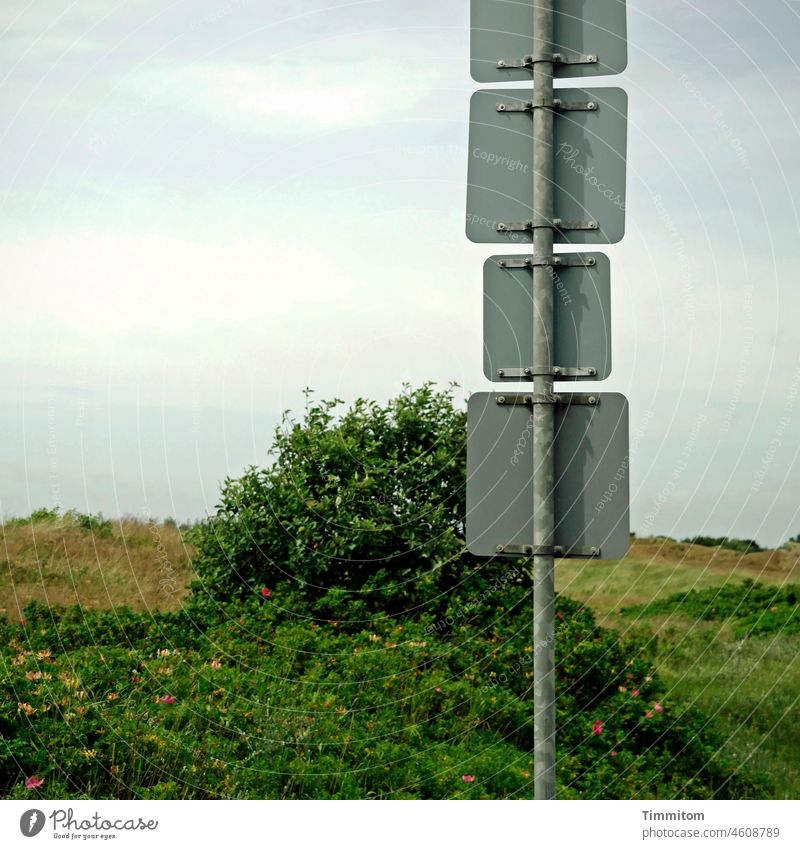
[146,566]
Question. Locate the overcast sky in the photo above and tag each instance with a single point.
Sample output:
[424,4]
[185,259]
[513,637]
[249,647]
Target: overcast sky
[207,206]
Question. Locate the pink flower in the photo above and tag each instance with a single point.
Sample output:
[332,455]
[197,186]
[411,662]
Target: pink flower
[658,707]
[468,778]
[34,782]
[597,728]
[614,754]
[635,693]
[23,621]
[266,592]
[167,700]
[649,714]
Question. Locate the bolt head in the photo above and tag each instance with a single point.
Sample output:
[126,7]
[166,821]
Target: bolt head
[501,399]
[500,548]
[556,370]
[501,372]
[592,399]
[501,64]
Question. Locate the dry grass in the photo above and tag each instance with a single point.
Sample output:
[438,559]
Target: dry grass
[145,566]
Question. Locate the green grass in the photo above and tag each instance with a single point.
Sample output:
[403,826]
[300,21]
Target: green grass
[749,689]
[607,586]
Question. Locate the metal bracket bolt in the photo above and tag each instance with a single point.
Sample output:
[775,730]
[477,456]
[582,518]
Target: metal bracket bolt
[557,260]
[555,224]
[556,371]
[551,550]
[554,58]
[526,400]
[556,103]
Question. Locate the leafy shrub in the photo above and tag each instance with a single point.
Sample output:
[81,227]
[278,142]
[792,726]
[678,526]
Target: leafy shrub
[43,514]
[96,524]
[783,617]
[371,503]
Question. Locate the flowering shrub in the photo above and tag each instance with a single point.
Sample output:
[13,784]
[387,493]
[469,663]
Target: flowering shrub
[283,706]
[371,502]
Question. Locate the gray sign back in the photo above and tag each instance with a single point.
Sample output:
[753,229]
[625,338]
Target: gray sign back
[503,30]
[581,317]
[589,153]
[591,475]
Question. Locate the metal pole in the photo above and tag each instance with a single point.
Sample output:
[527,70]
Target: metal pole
[544,690]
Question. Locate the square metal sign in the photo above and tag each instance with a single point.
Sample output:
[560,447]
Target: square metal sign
[581,317]
[591,474]
[590,39]
[589,154]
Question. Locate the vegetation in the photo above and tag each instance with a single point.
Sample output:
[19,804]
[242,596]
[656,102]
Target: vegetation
[730,649]
[744,545]
[117,704]
[338,643]
[755,608]
[366,511]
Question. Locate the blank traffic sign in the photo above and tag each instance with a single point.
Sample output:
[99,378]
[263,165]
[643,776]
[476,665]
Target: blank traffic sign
[589,38]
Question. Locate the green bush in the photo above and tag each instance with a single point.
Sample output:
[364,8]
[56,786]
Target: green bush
[745,546]
[42,514]
[370,505]
[96,524]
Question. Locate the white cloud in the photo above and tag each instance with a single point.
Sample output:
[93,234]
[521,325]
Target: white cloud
[288,96]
